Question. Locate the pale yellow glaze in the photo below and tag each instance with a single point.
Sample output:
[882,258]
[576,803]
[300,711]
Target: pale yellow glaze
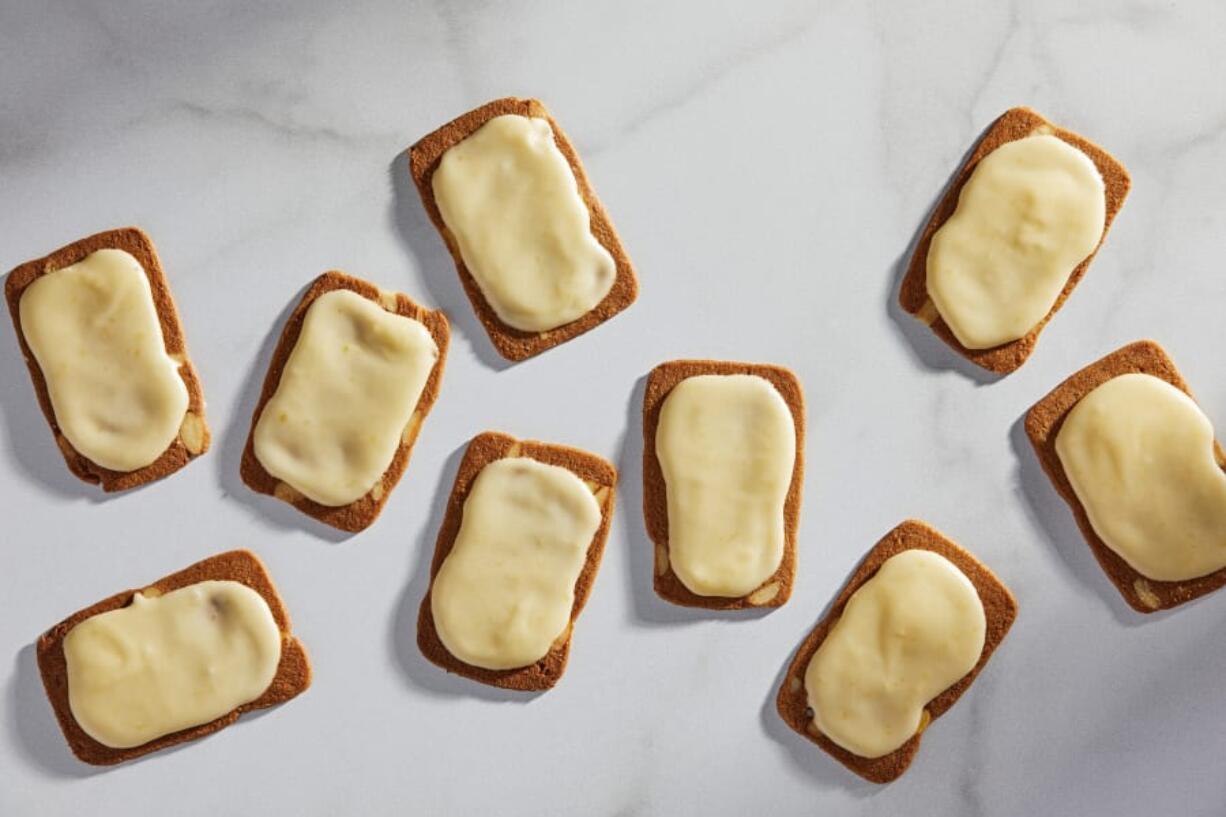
[509,197]
[169,662]
[347,393]
[505,591]
[905,636]
[1139,455]
[93,328]
[727,449]
[1032,210]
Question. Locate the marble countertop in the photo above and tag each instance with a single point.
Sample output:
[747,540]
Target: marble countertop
[767,165]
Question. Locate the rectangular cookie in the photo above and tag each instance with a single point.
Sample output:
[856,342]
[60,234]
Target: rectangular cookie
[660,382]
[360,513]
[515,344]
[194,438]
[484,449]
[1014,124]
[1043,423]
[292,678]
[1000,610]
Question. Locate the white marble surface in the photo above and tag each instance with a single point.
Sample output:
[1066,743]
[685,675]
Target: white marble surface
[767,165]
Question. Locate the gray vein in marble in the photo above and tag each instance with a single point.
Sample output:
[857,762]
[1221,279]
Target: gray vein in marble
[898,165]
[710,77]
[18,147]
[454,39]
[953,447]
[1137,16]
[638,784]
[119,54]
[1144,259]
[970,782]
[1181,144]
[993,69]
[295,131]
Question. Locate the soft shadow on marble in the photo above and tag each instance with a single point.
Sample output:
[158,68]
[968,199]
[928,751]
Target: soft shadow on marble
[32,724]
[267,509]
[30,437]
[402,629]
[645,605]
[1053,519]
[437,268]
[802,753]
[926,348]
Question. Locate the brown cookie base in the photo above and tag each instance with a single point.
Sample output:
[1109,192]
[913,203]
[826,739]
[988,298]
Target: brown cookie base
[660,383]
[516,344]
[999,607]
[292,678]
[360,513]
[484,449]
[1014,124]
[1043,424]
[134,242]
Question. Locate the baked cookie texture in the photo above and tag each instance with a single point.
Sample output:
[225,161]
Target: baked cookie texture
[292,678]
[359,514]
[1000,610]
[194,437]
[1043,424]
[484,449]
[1013,124]
[515,344]
[776,590]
